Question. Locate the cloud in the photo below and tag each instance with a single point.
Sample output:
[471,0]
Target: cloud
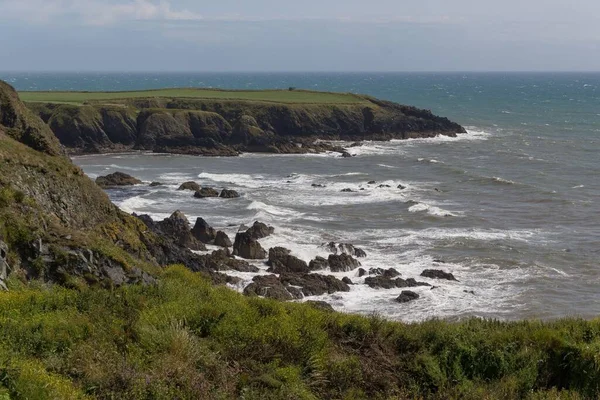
[93,12]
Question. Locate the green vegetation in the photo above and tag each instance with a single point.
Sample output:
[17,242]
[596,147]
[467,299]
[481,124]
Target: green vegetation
[187,339]
[278,96]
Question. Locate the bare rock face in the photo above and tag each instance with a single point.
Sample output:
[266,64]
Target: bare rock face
[259,230]
[177,227]
[248,247]
[117,179]
[203,231]
[221,239]
[281,261]
[342,263]
[438,274]
[407,296]
[193,186]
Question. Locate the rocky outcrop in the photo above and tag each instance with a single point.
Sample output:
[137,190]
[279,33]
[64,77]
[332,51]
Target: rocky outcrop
[226,127]
[270,286]
[259,230]
[315,284]
[246,246]
[221,239]
[193,186]
[229,194]
[117,179]
[177,227]
[281,261]
[319,263]
[407,296]
[344,248]
[221,260]
[206,192]
[382,282]
[342,263]
[438,274]
[387,273]
[203,231]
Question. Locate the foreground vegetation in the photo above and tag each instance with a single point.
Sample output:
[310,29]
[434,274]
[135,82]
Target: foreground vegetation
[280,96]
[187,339]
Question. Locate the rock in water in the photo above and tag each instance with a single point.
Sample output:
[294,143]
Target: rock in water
[342,263]
[319,263]
[177,227]
[270,286]
[193,186]
[260,230]
[206,192]
[347,281]
[315,284]
[155,184]
[382,282]
[221,260]
[248,247]
[438,274]
[281,261]
[407,296]
[117,179]
[221,239]
[229,194]
[203,231]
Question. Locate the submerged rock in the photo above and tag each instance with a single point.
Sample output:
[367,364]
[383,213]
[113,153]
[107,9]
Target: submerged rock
[342,263]
[248,247]
[193,186]
[407,296]
[229,194]
[117,179]
[206,192]
[438,274]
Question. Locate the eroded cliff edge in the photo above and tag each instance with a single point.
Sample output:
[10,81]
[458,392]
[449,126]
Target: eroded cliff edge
[229,126]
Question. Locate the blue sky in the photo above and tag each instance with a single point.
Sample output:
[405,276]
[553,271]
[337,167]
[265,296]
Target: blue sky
[308,35]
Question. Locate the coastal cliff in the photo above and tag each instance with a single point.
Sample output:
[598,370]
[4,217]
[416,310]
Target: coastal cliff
[230,126]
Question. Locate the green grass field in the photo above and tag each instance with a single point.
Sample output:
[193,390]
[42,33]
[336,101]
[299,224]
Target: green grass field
[279,96]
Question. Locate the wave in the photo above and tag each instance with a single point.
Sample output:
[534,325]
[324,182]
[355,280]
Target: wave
[502,180]
[436,211]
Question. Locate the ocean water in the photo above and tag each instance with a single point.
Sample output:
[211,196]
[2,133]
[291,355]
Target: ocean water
[510,207]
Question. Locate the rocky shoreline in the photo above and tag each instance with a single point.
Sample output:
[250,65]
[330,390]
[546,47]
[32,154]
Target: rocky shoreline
[230,127]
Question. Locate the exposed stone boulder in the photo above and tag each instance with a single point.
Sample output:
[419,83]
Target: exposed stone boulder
[361,272]
[438,274]
[117,179]
[319,263]
[229,194]
[347,281]
[248,247]
[407,296]
[206,192]
[387,273]
[382,282]
[401,187]
[270,286]
[315,284]
[203,231]
[281,261]
[342,263]
[317,185]
[221,239]
[345,248]
[155,184]
[177,227]
[221,260]
[347,190]
[259,230]
[371,182]
[193,186]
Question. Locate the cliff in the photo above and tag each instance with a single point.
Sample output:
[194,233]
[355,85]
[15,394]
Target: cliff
[227,126]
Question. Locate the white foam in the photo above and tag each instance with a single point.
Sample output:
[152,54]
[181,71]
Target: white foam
[432,210]
[502,180]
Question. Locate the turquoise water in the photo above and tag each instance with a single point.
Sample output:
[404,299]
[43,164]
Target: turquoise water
[512,207]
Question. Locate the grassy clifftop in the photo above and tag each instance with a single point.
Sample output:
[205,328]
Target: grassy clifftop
[218,122]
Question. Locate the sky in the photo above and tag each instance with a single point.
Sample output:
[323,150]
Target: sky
[307,35]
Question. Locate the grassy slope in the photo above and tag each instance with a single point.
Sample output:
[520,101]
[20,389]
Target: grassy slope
[187,339]
[280,96]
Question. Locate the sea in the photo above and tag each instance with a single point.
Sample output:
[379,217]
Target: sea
[511,208]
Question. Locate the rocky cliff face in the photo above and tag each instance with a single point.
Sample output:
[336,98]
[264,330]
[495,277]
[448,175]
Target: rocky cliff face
[227,127]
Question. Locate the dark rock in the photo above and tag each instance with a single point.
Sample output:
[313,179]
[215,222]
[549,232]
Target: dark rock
[407,296]
[345,154]
[260,230]
[401,187]
[248,247]
[206,192]
[221,239]
[229,194]
[319,263]
[117,179]
[281,261]
[361,272]
[387,273]
[382,282]
[154,184]
[347,190]
[439,261]
[360,253]
[344,248]
[221,260]
[270,286]
[315,185]
[320,305]
[438,274]
[371,182]
[384,186]
[203,231]
[469,292]
[315,284]
[342,263]
[177,227]
[347,281]
[193,186]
